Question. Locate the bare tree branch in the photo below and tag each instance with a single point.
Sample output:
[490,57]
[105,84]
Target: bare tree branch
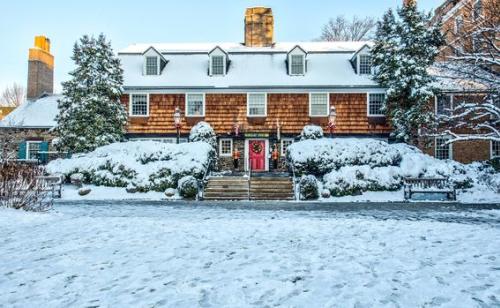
[12,96]
[342,29]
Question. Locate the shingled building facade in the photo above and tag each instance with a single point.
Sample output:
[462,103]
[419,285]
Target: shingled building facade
[257,95]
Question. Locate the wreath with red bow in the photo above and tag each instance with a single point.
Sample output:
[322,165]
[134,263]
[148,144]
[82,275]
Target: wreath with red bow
[257,148]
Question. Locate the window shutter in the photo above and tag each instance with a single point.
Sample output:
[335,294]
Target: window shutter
[44,147]
[22,150]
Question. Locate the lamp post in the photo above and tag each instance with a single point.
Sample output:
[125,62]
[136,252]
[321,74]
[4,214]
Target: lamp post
[332,119]
[177,122]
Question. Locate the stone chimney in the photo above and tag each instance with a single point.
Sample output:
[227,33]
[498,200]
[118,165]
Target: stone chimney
[259,27]
[40,69]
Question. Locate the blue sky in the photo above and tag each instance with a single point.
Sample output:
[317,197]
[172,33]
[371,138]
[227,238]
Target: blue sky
[127,21]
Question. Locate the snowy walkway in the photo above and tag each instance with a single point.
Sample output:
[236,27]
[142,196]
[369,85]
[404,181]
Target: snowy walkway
[151,256]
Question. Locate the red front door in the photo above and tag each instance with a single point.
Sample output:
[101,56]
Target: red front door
[257,149]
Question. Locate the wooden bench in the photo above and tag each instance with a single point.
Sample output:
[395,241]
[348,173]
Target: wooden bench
[54,184]
[429,186]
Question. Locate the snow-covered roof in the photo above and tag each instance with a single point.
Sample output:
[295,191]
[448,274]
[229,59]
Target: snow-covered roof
[450,80]
[285,47]
[328,66]
[40,113]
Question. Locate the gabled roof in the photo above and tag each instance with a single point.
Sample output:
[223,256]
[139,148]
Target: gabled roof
[297,46]
[365,46]
[156,51]
[40,113]
[219,48]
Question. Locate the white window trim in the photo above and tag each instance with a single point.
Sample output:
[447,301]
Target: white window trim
[130,106]
[248,105]
[491,151]
[358,65]
[285,139]
[158,64]
[450,147]
[186,105]
[28,148]
[220,147]
[368,105]
[452,102]
[327,111]
[224,66]
[303,65]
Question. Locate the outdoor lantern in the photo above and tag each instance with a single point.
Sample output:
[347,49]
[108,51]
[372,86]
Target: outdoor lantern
[332,119]
[177,122]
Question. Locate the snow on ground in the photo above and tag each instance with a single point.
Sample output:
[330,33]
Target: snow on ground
[70,193]
[154,256]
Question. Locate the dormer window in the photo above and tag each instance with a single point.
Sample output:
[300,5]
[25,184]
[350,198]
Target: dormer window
[152,67]
[217,65]
[218,60]
[365,64]
[297,64]
[361,61]
[154,62]
[297,61]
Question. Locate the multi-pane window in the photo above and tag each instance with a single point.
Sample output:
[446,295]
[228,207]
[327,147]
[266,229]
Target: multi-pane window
[151,65]
[285,143]
[443,105]
[442,150]
[376,103]
[217,65]
[495,149]
[318,104]
[32,150]
[297,64]
[257,104]
[139,105]
[225,147]
[195,105]
[365,64]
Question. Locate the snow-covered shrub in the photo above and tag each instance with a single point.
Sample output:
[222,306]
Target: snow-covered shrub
[147,165]
[311,132]
[203,132]
[353,166]
[353,180]
[308,187]
[322,156]
[188,187]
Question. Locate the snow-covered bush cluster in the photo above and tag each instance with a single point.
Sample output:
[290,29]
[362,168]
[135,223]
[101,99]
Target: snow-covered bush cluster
[352,166]
[145,165]
[311,132]
[319,157]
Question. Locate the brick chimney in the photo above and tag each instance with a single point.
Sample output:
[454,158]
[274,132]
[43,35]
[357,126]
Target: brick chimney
[259,27]
[409,2]
[40,69]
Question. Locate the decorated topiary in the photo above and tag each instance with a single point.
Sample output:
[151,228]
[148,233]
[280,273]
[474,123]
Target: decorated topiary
[311,132]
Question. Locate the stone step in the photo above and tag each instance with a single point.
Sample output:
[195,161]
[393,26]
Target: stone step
[271,186]
[219,198]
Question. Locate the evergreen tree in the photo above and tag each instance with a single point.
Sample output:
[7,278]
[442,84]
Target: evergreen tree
[405,48]
[90,114]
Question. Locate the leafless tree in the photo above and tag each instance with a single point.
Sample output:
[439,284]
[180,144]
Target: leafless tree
[475,56]
[13,95]
[342,29]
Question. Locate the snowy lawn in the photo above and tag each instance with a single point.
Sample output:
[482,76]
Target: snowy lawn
[120,255]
